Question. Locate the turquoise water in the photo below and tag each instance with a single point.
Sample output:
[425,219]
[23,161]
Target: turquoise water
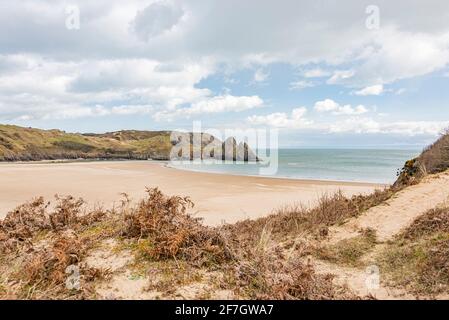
[361,165]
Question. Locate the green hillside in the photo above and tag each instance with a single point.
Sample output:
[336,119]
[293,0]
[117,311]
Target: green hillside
[29,144]
[18,143]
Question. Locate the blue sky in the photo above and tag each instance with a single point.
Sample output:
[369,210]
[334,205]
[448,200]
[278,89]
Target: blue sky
[322,73]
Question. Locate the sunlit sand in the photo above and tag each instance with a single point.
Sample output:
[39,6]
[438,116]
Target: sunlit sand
[218,198]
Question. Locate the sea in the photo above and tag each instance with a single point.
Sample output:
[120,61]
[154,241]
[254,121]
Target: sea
[351,165]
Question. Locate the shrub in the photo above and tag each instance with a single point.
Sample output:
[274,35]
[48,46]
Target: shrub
[172,232]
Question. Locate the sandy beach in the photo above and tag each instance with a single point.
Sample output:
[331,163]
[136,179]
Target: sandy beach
[218,198]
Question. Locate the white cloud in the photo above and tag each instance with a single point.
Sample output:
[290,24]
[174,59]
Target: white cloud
[397,54]
[217,104]
[340,75]
[301,84]
[138,56]
[282,120]
[175,30]
[316,73]
[329,105]
[352,125]
[371,126]
[375,90]
[129,109]
[260,75]
[156,19]
[43,89]
[400,91]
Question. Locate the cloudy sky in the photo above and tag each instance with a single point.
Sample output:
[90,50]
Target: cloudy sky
[325,73]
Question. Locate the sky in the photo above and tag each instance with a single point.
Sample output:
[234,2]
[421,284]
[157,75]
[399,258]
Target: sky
[347,73]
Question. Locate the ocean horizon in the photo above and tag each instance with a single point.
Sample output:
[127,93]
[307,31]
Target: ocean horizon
[348,165]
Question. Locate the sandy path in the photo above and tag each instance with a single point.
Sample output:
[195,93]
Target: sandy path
[359,281]
[217,197]
[387,220]
[397,213]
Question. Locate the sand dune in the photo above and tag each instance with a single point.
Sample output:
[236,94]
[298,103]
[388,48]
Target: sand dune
[387,220]
[399,212]
[217,197]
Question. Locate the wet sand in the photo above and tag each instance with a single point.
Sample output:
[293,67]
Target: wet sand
[218,197]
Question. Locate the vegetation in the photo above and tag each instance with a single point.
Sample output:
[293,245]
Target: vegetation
[288,223]
[25,144]
[38,241]
[169,232]
[29,144]
[267,258]
[418,258]
[433,159]
[349,251]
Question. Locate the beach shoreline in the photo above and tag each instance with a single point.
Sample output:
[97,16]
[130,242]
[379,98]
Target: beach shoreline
[219,197]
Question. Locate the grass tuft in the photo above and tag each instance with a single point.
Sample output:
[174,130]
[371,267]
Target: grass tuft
[349,251]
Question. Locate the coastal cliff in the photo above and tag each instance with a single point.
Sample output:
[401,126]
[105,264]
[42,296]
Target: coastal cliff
[30,144]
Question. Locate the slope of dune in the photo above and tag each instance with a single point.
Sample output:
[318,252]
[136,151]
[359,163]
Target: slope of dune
[398,212]
[379,239]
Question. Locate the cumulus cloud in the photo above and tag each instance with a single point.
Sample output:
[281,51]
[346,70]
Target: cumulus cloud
[396,54]
[131,57]
[217,104]
[354,124]
[282,120]
[43,89]
[408,128]
[316,73]
[193,29]
[340,76]
[329,105]
[156,19]
[370,91]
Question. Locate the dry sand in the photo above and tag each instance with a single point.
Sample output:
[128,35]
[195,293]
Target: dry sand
[218,197]
[397,213]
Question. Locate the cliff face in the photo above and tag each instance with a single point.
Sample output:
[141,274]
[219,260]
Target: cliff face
[212,148]
[28,144]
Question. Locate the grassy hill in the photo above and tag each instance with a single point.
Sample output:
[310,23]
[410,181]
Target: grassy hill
[18,143]
[29,144]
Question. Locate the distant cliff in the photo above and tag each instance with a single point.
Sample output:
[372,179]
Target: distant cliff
[30,144]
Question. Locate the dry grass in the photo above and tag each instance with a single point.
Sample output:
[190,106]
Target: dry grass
[418,258]
[22,224]
[32,219]
[44,272]
[40,243]
[349,251]
[269,274]
[291,222]
[433,221]
[170,232]
[433,159]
